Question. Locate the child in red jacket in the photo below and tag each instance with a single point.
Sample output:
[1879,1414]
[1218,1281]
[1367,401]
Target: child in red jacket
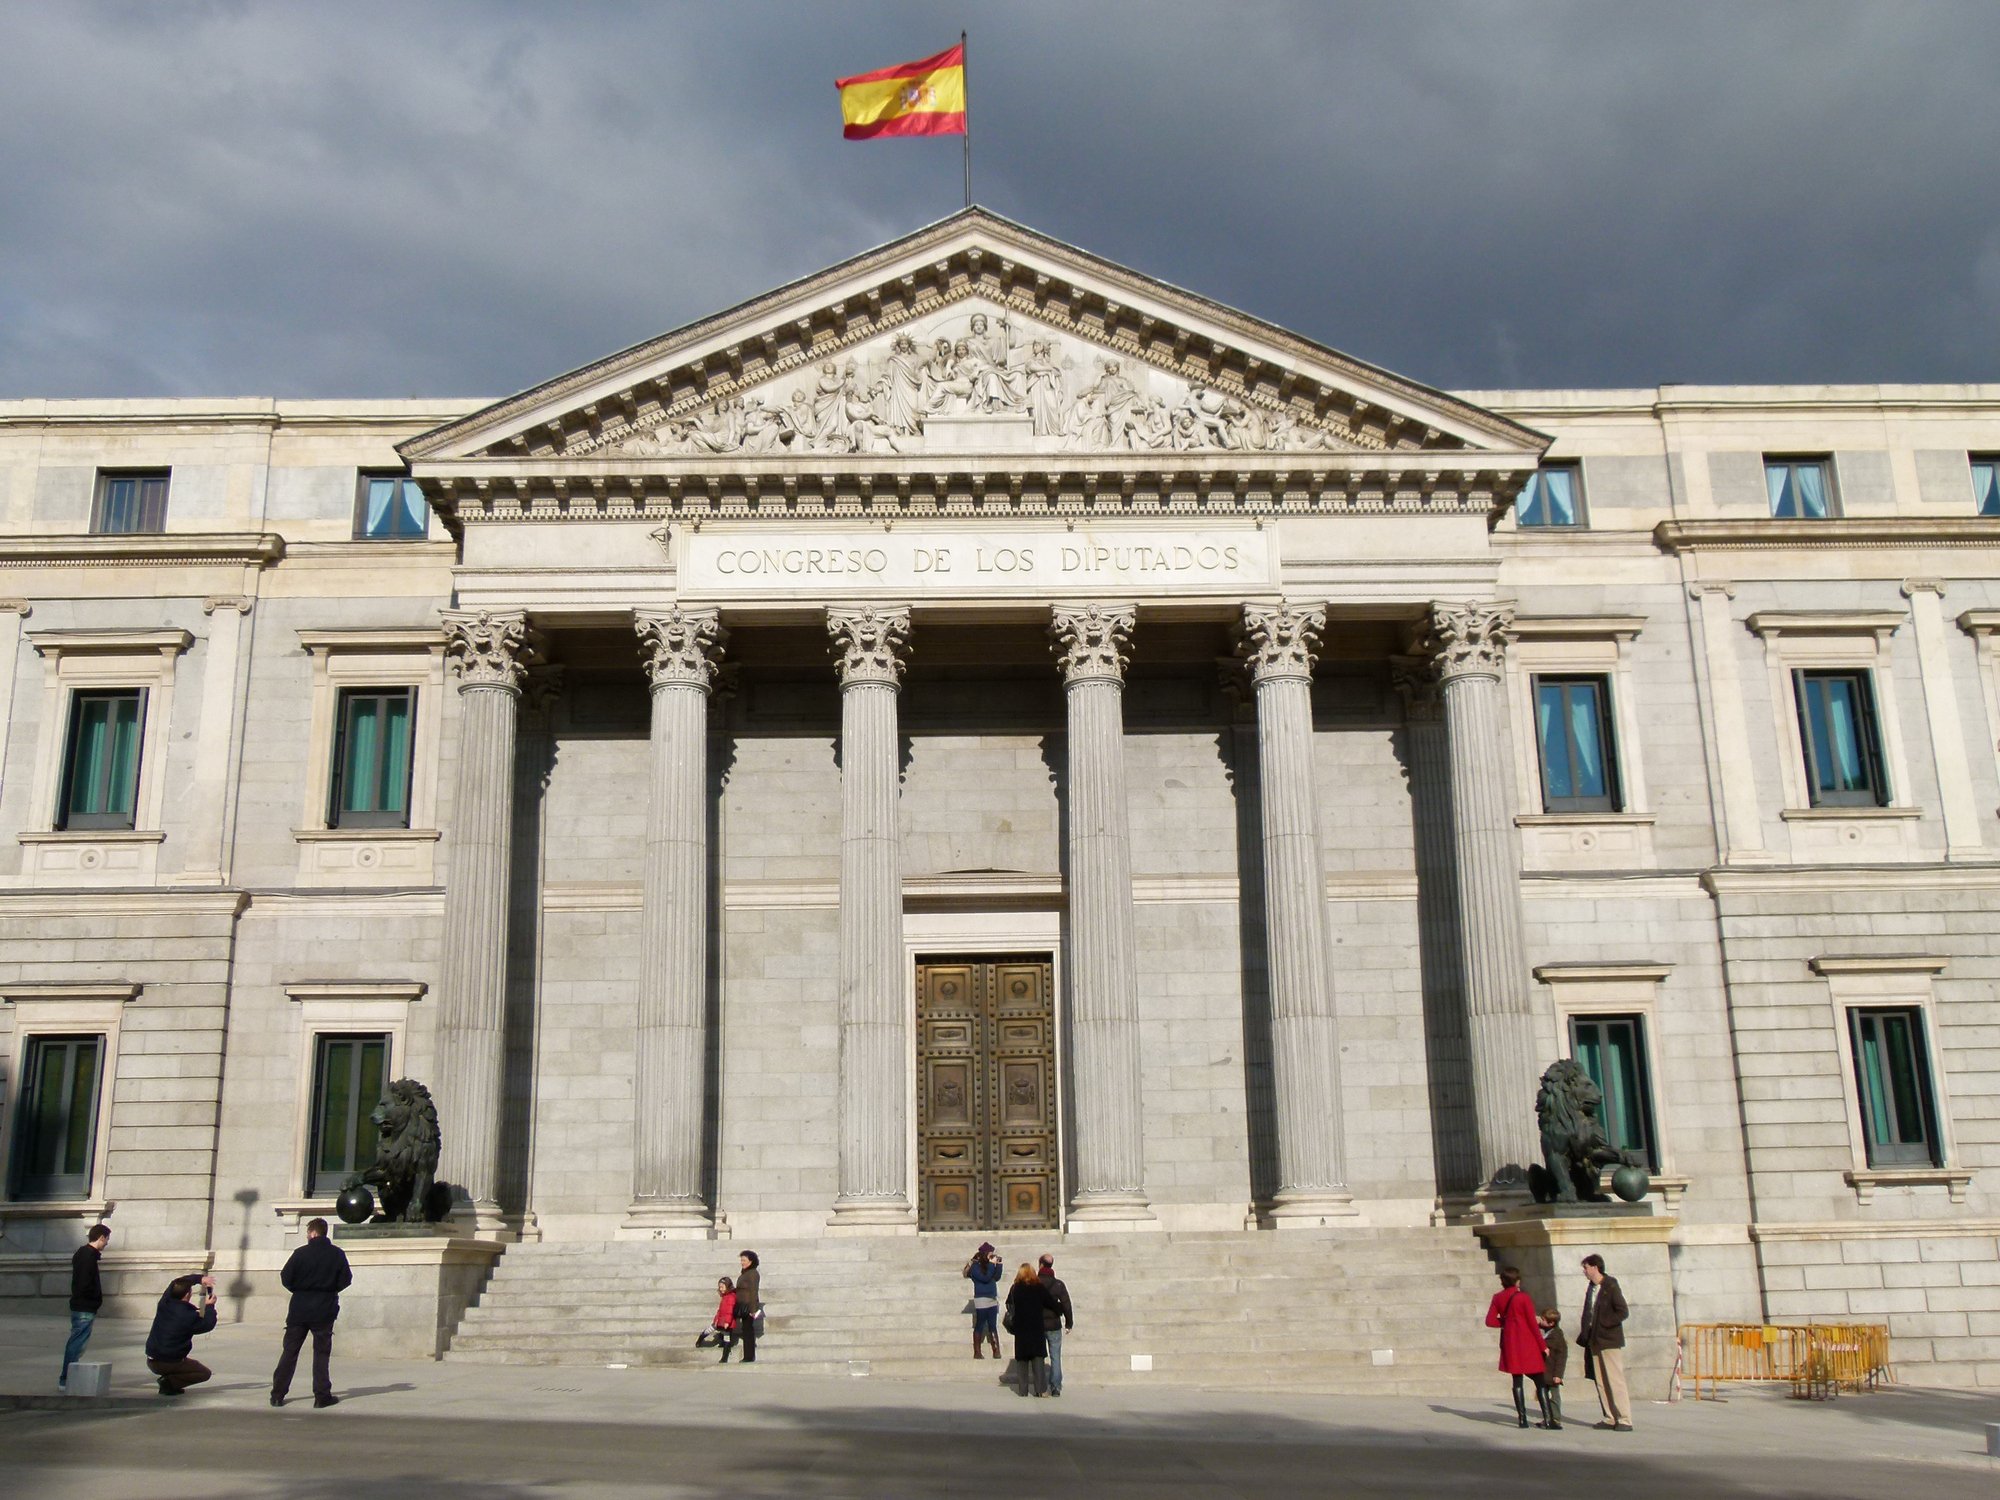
[723,1330]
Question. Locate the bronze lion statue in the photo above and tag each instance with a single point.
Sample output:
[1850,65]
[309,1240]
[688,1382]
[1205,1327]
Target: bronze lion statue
[1574,1149]
[406,1155]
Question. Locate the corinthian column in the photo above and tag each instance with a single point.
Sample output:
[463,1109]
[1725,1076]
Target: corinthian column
[679,649]
[1109,1192]
[489,654]
[868,646]
[1469,642]
[1278,645]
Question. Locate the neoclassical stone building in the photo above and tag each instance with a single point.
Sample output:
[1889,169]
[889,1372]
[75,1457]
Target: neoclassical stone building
[979,739]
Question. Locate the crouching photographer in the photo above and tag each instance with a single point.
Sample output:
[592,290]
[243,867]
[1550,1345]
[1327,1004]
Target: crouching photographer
[186,1308]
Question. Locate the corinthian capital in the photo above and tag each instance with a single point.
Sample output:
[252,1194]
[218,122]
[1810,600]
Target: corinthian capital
[681,647]
[1469,640]
[1278,640]
[488,649]
[1092,642]
[869,643]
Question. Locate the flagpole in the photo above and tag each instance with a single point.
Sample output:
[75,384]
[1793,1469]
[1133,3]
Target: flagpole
[965,75]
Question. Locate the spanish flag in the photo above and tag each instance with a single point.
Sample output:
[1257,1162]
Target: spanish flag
[912,98]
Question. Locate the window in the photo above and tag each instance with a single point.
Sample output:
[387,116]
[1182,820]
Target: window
[1553,497]
[1838,732]
[1800,488]
[1986,483]
[371,758]
[1573,727]
[131,503]
[350,1074]
[391,509]
[1892,1075]
[1612,1050]
[57,1131]
[101,764]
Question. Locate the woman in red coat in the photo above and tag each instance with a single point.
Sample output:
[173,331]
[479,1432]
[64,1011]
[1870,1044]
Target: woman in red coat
[1513,1312]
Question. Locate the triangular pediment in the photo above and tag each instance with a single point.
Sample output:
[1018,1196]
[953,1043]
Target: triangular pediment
[972,336]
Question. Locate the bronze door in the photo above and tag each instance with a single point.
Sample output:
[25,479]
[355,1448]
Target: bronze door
[986,1099]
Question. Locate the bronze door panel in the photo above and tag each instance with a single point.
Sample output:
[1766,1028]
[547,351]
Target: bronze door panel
[986,1116]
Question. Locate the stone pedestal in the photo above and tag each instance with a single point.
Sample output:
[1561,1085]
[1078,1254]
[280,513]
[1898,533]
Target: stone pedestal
[670,1090]
[1107,1124]
[410,1289]
[874,1196]
[1547,1243]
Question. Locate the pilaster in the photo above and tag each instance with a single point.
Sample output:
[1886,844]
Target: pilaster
[1947,730]
[1091,643]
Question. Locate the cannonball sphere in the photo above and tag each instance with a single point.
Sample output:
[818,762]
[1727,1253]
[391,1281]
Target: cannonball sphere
[355,1205]
[1631,1183]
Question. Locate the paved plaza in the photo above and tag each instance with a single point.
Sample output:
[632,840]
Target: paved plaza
[515,1433]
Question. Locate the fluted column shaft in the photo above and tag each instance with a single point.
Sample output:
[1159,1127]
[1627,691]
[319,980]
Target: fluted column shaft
[1305,1032]
[490,654]
[1470,642]
[670,1086]
[1106,1115]
[874,1032]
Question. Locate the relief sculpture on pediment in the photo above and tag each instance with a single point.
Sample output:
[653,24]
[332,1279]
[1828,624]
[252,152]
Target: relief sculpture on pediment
[884,396]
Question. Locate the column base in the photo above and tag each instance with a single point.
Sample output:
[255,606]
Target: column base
[481,1220]
[872,1216]
[1490,1204]
[1310,1209]
[667,1219]
[1111,1213]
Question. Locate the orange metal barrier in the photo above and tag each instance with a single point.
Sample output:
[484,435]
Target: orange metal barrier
[1817,1359]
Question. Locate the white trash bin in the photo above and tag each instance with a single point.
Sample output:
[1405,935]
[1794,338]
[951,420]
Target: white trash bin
[90,1379]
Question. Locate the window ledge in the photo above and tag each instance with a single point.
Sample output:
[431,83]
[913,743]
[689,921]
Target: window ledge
[92,836]
[1842,814]
[1864,1180]
[93,1209]
[1583,819]
[365,835]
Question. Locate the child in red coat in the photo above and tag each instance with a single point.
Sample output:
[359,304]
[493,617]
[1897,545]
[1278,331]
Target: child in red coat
[1512,1311]
[723,1330]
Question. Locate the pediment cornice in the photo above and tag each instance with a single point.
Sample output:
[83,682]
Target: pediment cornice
[1256,389]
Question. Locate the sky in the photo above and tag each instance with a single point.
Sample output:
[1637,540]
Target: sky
[465,199]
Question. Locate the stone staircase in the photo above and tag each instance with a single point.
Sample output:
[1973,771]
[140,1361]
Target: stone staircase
[1356,1311]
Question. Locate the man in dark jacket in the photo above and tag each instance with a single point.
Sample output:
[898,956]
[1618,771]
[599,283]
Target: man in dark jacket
[170,1345]
[1055,1319]
[316,1275]
[86,1296]
[1603,1339]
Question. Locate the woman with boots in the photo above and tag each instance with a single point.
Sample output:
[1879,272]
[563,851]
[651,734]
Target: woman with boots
[1027,1300]
[984,1272]
[1512,1311]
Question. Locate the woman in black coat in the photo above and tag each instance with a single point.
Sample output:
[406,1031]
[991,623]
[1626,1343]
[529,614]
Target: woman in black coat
[1027,1300]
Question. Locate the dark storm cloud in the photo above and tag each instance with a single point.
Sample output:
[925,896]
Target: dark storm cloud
[461,200]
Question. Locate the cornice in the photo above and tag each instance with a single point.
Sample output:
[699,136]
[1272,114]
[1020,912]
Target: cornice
[1577,627]
[1760,533]
[976,488]
[171,549]
[1826,622]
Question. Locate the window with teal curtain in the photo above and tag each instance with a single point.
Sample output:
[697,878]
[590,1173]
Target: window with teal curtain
[1612,1050]
[56,1130]
[391,509]
[100,787]
[350,1076]
[1573,728]
[1552,497]
[1798,488]
[1892,1074]
[371,758]
[1986,483]
[1838,730]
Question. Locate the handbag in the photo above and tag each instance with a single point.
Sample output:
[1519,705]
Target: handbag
[708,1338]
[1007,1318]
